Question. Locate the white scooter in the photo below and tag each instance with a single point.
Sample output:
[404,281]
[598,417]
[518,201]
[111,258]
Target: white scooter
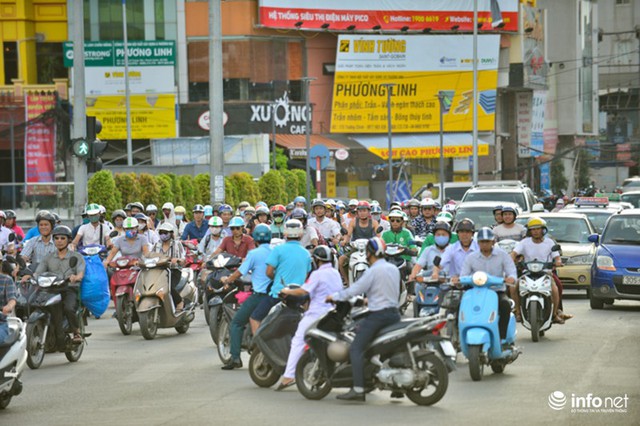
[536,304]
[13,357]
[358,260]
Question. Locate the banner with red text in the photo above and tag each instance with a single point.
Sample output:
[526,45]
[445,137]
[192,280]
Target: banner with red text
[40,140]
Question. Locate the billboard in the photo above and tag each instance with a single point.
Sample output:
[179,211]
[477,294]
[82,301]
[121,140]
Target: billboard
[437,15]
[40,139]
[152,116]
[421,68]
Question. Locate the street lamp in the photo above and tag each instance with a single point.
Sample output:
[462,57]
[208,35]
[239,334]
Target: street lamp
[389,87]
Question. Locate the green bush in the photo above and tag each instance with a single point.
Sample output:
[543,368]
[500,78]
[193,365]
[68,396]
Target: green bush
[127,186]
[188,189]
[230,192]
[272,190]
[302,184]
[102,190]
[290,184]
[246,189]
[282,161]
[165,193]
[201,184]
[177,190]
[149,191]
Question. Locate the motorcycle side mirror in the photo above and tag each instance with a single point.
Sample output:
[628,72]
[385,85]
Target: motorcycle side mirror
[379,229]
[113,234]
[343,231]
[416,243]
[556,247]
[437,260]
[12,237]
[73,262]
[594,238]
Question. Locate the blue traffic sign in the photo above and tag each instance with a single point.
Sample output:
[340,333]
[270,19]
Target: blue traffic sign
[319,151]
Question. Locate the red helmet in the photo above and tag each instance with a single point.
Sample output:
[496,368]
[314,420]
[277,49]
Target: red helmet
[278,208]
[363,205]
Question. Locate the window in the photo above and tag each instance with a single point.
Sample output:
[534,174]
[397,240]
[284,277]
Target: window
[10,61]
[49,62]
[622,2]
[622,50]
[110,20]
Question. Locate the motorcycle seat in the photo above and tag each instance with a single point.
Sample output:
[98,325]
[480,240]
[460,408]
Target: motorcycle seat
[11,338]
[181,283]
[397,326]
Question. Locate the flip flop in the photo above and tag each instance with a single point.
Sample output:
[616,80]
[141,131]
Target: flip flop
[558,320]
[283,386]
[566,316]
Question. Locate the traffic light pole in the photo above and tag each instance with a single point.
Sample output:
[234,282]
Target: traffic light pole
[216,104]
[79,124]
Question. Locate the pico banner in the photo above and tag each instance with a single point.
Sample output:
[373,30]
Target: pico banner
[437,15]
[420,68]
[40,141]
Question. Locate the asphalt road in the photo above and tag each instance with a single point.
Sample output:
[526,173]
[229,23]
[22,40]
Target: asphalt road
[176,379]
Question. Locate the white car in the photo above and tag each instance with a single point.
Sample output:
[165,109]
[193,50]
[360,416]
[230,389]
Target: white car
[502,192]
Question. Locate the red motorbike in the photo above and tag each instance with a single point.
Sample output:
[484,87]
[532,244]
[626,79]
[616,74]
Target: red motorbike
[194,260]
[122,282]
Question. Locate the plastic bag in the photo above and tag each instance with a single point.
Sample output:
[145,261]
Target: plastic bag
[94,291]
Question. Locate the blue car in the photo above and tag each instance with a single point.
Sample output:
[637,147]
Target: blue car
[615,272]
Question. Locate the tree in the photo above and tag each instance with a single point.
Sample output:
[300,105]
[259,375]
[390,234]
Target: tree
[246,189]
[165,194]
[302,184]
[127,186]
[290,184]
[177,190]
[282,161]
[149,189]
[188,189]
[202,194]
[271,186]
[102,190]
[230,192]
[583,168]
[558,179]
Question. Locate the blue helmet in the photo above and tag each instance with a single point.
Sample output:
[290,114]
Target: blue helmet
[262,234]
[208,210]
[510,209]
[236,221]
[225,208]
[300,199]
[298,213]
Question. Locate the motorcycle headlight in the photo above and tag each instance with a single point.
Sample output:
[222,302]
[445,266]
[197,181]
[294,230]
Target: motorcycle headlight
[605,263]
[122,262]
[584,259]
[535,267]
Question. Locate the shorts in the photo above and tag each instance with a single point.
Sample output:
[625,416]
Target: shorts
[263,308]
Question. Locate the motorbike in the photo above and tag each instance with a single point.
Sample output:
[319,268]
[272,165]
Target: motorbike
[399,359]
[94,291]
[13,357]
[358,259]
[393,253]
[194,261]
[123,280]
[222,266]
[153,301]
[428,297]
[536,304]
[229,305]
[478,323]
[272,341]
[41,336]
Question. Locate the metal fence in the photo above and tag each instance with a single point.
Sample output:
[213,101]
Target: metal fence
[29,198]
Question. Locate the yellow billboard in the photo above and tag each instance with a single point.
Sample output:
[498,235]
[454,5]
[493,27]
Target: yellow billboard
[415,153]
[152,116]
[419,69]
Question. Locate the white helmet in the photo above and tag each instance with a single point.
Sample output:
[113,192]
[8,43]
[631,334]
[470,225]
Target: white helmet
[428,202]
[166,226]
[293,229]
[168,206]
[151,208]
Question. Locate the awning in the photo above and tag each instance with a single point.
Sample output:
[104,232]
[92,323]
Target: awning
[425,145]
[297,144]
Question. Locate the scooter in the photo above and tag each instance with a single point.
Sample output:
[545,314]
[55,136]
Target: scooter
[153,301]
[41,336]
[393,253]
[13,357]
[222,266]
[94,291]
[427,301]
[229,305]
[123,280]
[399,359]
[272,341]
[194,261]
[479,332]
[358,259]
[536,304]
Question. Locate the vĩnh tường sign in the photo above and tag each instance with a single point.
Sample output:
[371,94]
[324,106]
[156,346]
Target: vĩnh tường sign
[420,67]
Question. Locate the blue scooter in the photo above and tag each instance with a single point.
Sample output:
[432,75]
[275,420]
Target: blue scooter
[428,295]
[478,323]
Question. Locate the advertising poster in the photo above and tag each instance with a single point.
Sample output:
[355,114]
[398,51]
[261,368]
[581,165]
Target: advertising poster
[40,141]
[420,68]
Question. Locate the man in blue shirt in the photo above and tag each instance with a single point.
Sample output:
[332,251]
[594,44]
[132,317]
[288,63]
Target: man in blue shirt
[256,263]
[197,228]
[454,256]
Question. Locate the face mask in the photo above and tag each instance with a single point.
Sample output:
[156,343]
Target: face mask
[165,237]
[131,233]
[119,223]
[141,228]
[216,231]
[442,240]
[94,219]
[179,217]
[85,220]
[278,219]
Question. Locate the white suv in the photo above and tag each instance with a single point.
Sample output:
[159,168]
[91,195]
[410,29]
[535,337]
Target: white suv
[502,192]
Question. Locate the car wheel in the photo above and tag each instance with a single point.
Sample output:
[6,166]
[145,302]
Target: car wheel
[595,303]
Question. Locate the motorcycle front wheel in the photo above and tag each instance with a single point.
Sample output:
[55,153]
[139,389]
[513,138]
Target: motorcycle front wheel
[534,320]
[261,372]
[4,401]
[476,367]
[212,319]
[148,324]
[124,313]
[311,380]
[436,384]
[35,344]
[224,341]
[74,354]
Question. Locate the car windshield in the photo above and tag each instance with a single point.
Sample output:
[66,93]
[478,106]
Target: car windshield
[498,197]
[454,193]
[631,185]
[481,216]
[568,230]
[631,198]
[622,230]
[598,219]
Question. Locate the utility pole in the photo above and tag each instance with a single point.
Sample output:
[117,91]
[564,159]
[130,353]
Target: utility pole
[216,104]
[274,106]
[441,189]
[392,193]
[127,91]
[79,129]
[307,81]
[475,92]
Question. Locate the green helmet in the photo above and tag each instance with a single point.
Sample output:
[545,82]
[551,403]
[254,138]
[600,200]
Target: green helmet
[444,217]
[93,209]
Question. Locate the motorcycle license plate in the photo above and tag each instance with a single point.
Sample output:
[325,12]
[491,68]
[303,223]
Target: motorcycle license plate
[447,348]
[630,279]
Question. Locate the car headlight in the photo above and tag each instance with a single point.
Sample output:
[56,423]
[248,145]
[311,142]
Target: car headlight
[605,263]
[583,259]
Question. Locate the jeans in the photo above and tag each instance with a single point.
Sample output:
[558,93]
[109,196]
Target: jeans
[365,334]
[504,312]
[240,320]
[68,307]
[174,275]
[4,330]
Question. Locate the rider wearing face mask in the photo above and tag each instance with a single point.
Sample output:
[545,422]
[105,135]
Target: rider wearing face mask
[171,247]
[143,229]
[93,232]
[278,213]
[213,239]
[442,239]
[118,217]
[132,243]
[180,220]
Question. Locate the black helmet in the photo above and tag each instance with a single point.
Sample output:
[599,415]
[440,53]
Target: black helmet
[299,214]
[62,230]
[318,203]
[46,216]
[323,253]
[56,217]
[466,224]
[9,214]
[444,226]
[41,213]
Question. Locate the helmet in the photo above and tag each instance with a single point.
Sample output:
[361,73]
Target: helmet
[289,207]
[340,205]
[166,226]
[243,205]
[331,202]
[396,214]
[236,222]
[56,217]
[151,208]
[215,221]
[318,203]
[248,211]
[62,230]
[293,229]
[180,210]
[261,204]
[485,234]
[300,199]
[395,208]
[560,202]
[536,222]
[298,213]
[506,209]
[167,206]
[427,202]
[376,246]
[262,210]
[497,208]
[198,208]
[118,213]
[262,234]
[444,226]
[353,202]
[38,215]
[103,210]
[376,209]
[208,210]
[93,209]
[375,203]
[278,208]
[537,207]
[2,214]
[413,203]
[437,205]
[127,208]
[323,253]
[444,217]
[130,222]
[226,208]
[46,216]
[466,224]
[137,204]
[363,205]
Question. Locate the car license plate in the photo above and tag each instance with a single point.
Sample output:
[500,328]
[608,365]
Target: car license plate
[630,279]
[447,348]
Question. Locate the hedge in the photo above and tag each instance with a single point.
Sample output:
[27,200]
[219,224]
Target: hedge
[201,185]
[149,190]
[101,189]
[246,188]
[290,184]
[188,189]
[127,187]
[272,188]
[166,194]
[302,184]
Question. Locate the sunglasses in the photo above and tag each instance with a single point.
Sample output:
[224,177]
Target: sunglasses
[396,220]
[235,228]
[57,237]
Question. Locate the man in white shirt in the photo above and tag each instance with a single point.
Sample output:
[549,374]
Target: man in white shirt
[93,232]
[325,227]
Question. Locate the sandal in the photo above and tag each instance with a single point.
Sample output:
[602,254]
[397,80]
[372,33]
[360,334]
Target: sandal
[566,316]
[558,320]
[77,338]
[283,386]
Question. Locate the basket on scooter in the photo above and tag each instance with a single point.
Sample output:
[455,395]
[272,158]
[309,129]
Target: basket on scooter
[451,300]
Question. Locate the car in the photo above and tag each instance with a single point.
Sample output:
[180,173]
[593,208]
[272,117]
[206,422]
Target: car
[631,184]
[632,197]
[597,209]
[615,272]
[452,191]
[501,192]
[480,212]
[572,232]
